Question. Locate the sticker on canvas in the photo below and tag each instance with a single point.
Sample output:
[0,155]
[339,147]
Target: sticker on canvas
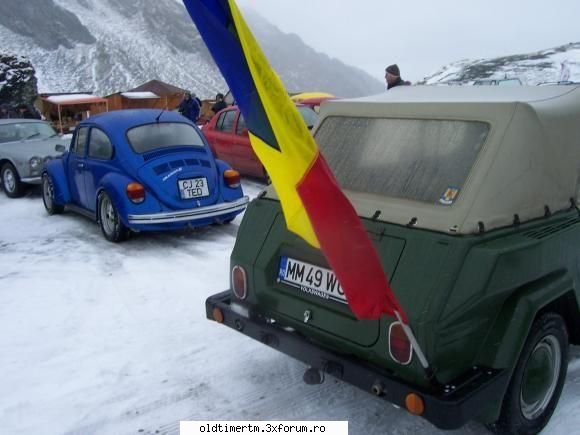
[449,196]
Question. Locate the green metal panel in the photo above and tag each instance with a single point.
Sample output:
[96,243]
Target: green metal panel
[470,300]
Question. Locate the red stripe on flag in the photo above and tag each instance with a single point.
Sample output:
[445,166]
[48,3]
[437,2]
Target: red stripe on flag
[346,244]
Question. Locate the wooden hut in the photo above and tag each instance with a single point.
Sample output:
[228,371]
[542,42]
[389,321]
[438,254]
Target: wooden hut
[135,100]
[65,111]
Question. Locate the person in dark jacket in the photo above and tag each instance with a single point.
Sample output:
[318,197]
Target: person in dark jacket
[393,77]
[189,107]
[220,104]
[6,112]
[28,112]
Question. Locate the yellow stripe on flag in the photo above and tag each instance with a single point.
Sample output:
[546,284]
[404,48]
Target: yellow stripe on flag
[285,179]
[298,149]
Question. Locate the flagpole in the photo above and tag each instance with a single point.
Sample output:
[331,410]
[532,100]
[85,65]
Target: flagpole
[415,345]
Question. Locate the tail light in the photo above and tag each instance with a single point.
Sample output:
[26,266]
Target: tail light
[239,282]
[136,192]
[400,347]
[232,178]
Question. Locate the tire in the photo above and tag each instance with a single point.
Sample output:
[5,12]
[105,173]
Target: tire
[113,229]
[537,380]
[48,196]
[13,187]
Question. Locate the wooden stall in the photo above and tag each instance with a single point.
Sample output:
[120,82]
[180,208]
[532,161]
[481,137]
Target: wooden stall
[65,111]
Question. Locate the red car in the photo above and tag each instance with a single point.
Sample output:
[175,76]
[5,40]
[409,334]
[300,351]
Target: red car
[228,139]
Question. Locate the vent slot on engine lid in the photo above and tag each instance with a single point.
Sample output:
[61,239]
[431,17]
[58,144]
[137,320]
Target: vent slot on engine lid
[177,164]
[544,232]
[161,169]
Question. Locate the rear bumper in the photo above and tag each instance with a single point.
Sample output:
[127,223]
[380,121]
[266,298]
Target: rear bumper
[212,211]
[447,407]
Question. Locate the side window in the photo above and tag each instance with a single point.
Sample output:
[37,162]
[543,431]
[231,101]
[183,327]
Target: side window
[100,146]
[80,142]
[220,121]
[227,123]
[241,124]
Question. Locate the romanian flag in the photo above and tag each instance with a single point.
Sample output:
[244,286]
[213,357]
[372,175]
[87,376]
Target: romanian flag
[313,204]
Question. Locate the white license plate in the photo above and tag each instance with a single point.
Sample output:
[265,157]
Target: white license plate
[310,279]
[193,188]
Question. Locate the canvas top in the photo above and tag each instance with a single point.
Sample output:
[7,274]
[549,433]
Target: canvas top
[450,158]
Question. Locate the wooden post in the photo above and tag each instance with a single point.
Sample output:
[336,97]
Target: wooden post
[60,119]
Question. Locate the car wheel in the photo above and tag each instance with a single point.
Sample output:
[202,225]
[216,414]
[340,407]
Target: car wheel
[48,196]
[537,380]
[109,220]
[11,183]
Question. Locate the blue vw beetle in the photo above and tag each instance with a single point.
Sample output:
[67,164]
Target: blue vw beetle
[142,170]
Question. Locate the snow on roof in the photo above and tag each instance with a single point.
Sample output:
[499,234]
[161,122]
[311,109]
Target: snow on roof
[73,98]
[139,95]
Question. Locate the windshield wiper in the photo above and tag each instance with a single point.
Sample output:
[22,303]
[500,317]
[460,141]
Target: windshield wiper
[32,135]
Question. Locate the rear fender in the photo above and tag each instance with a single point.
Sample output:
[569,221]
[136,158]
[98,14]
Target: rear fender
[228,194]
[56,171]
[115,185]
[510,330]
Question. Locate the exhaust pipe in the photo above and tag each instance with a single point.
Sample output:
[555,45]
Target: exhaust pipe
[313,376]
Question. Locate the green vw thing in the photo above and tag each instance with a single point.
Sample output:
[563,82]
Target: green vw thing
[470,198]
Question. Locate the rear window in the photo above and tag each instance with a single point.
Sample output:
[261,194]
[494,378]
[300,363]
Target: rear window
[152,137]
[416,159]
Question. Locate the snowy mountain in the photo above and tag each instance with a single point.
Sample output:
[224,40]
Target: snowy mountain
[552,65]
[109,45]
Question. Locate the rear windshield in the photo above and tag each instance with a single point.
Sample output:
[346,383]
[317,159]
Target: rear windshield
[416,159]
[152,137]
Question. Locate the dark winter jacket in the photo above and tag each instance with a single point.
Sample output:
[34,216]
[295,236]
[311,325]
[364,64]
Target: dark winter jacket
[399,82]
[190,109]
[30,113]
[7,113]
[220,105]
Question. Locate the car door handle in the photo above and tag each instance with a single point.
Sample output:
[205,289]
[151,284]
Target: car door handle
[80,165]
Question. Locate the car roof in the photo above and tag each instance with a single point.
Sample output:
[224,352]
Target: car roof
[20,120]
[529,161]
[121,120]
[464,94]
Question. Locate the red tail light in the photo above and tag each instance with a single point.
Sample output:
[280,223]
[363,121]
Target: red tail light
[136,192]
[239,282]
[232,178]
[400,347]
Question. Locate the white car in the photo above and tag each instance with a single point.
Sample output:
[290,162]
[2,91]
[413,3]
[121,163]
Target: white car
[25,144]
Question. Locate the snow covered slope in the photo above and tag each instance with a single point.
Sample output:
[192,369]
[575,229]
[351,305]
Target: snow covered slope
[555,64]
[111,45]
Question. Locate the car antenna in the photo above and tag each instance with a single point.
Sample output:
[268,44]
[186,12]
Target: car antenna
[159,116]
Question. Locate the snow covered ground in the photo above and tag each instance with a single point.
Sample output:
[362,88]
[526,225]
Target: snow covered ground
[98,338]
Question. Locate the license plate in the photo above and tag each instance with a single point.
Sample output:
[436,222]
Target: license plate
[193,188]
[310,279]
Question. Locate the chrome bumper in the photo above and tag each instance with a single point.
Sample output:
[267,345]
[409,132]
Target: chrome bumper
[31,180]
[186,215]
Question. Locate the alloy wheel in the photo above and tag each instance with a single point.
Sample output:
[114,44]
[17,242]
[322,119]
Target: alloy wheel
[9,180]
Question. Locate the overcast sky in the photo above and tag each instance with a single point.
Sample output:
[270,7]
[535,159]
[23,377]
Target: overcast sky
[423,35]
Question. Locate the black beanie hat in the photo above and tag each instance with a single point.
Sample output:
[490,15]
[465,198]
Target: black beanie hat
[394,70]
